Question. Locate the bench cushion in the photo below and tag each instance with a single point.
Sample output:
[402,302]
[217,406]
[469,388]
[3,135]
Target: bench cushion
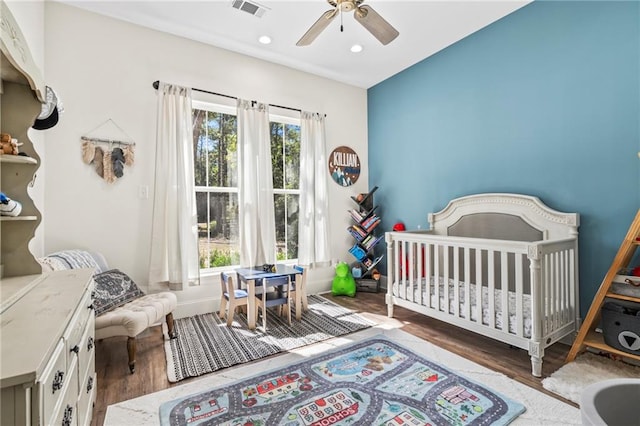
[136,316]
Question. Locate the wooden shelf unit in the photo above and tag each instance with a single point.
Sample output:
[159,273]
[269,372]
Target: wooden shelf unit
[588,337]
[363,229]
[21,97]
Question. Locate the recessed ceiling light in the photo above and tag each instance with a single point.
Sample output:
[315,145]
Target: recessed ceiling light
[264,39]
[356,48]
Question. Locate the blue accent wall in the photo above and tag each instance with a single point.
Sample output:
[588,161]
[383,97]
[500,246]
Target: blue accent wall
[544,102]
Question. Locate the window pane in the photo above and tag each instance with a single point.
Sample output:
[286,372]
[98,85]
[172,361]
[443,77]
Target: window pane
[277,154]
[292,156]
[215,149]
[223,159]
[286,214]
[218,229]
[292,226]
[200,143]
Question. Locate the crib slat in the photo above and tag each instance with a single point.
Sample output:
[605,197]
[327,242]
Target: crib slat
[557,285]
[429,274]
[456,281]
[436,276]
[563,281]
[504,292]
[411,273]
[492,288]
[467,281]
[420,248]
[566,309]
[519,295]
[402,291]
[478,286]
[445,286]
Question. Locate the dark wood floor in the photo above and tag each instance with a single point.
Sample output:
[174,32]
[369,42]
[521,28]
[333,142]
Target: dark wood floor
[116,384]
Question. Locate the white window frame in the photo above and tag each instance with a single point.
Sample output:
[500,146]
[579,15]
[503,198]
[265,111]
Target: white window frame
[230,110]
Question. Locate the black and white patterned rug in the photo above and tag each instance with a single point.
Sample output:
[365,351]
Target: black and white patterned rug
[205,343]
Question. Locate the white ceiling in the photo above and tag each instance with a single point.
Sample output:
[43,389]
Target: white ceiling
[425,28]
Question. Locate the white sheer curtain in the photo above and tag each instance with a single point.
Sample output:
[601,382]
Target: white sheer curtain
[313,226]
[255,185]
[174,236]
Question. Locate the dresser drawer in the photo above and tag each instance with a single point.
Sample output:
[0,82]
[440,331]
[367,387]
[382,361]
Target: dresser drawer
[73,333]
[86,352]
[53,381]
[67,414]
[86,398]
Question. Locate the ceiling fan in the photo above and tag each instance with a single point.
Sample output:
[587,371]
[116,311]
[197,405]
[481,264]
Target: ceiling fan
[369,18]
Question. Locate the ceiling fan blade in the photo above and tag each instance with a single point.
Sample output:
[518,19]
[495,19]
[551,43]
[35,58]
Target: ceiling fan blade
[317,27]
[375,24]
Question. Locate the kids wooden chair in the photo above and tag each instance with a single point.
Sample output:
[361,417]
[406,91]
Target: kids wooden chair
[232,297]
[299,292]
[281,297]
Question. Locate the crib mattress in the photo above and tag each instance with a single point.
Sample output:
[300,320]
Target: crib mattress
[526,304]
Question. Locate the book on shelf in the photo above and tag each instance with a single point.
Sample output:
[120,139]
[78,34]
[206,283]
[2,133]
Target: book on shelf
[372,242]
[367,240]
[369,221]
[372,225]
[355,234]
[360,231]
[356,215]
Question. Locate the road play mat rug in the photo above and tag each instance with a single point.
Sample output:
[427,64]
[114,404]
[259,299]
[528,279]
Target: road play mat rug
[371,382]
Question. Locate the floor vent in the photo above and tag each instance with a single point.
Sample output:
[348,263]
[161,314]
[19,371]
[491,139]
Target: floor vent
[250,7]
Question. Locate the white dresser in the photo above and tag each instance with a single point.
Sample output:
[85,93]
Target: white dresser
[47,349]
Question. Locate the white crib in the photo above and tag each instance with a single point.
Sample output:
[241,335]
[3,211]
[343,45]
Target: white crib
[479,245]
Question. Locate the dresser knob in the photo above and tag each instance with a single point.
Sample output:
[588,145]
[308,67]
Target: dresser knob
[90,307]
[67,419]
[90,344]
[75,349]
[90,384]
[93,294]
[57,381]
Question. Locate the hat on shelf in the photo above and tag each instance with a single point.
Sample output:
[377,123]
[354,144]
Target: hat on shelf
[50,112]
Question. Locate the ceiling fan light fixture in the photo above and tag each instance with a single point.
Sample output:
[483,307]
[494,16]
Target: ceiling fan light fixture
[364,14]
[356,48]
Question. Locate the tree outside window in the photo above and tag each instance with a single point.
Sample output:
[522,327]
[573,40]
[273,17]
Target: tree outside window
[216,184]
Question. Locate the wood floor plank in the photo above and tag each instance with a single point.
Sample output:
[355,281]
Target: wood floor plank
[116,384]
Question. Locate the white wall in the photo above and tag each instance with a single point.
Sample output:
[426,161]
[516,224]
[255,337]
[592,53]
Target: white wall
[103,69]
[30,17]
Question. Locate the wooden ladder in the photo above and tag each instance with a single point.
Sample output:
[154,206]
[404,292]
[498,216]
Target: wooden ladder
[587,336]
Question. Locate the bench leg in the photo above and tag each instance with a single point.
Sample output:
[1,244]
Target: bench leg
[170,329]
[131,349]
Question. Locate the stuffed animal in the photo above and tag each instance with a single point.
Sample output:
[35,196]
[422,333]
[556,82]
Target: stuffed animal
[343,282]
[9,145]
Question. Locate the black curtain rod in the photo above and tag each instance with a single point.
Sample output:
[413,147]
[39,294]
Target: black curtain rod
[156,84]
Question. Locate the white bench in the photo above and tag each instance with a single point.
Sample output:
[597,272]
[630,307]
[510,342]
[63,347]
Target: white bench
[130,319]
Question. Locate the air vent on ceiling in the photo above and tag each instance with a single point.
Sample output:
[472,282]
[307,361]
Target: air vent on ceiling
[250,7]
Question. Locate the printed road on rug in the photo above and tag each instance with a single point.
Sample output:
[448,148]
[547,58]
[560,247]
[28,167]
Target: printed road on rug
[375,381]
[205,343]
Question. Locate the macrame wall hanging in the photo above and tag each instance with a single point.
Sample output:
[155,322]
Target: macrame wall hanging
[108,155]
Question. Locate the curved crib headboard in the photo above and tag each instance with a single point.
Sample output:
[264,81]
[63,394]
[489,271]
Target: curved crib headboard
[495,215]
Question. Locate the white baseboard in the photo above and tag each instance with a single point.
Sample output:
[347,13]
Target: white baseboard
[187,308]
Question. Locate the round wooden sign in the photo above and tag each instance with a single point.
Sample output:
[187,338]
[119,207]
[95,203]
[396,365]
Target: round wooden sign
[344,166]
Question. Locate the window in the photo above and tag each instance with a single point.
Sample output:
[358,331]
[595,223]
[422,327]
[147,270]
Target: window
[216,184]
